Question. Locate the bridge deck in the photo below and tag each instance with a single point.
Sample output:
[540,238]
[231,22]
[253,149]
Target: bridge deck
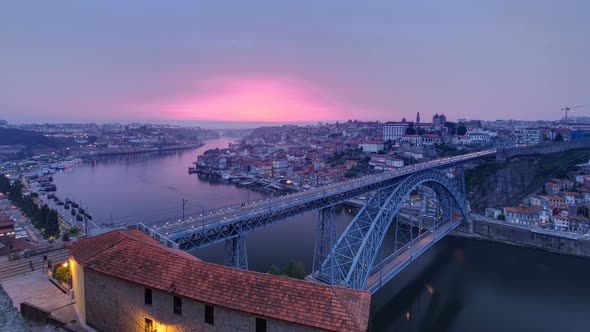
[395,263]
[200,231]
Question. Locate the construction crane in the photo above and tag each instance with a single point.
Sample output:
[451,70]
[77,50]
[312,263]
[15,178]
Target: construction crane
[569,108]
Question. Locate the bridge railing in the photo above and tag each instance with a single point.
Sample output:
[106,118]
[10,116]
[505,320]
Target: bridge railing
[157,236]
[198,222]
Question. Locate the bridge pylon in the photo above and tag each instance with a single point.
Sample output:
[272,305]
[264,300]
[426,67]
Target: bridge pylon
[325,239]
[235,253]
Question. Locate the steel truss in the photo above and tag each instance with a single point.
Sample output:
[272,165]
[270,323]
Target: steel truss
[325,238]
[235,253]
[223,225]
[209,234]
[353,257]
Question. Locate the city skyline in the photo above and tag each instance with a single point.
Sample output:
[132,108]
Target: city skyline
[296,62]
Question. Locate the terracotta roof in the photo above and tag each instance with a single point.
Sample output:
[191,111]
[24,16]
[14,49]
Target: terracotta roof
[131,255]
[520,210]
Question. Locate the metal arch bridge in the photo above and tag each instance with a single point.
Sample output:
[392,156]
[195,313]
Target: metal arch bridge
[353,261]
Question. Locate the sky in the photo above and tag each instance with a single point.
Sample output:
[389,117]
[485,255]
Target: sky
[292,61]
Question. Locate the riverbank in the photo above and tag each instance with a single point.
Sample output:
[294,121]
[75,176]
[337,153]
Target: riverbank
[522,236]
[113,153]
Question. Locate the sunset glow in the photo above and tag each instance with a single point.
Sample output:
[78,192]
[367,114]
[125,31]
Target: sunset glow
[254,99]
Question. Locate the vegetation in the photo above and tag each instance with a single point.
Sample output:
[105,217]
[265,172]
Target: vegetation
[461,130]
[294,269]
[44,218]
[10,136]
[476,176]
[62,273]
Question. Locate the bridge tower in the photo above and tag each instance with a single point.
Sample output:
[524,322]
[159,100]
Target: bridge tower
[235,252]
[325,239]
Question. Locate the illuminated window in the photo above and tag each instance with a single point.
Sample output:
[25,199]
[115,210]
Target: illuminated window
[178,305]
[147,295]
[260,325]
[209,315]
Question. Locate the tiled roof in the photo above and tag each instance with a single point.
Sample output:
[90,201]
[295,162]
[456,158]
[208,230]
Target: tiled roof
[131,255]
[520,210]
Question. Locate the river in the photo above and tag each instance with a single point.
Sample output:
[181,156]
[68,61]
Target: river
[458,285]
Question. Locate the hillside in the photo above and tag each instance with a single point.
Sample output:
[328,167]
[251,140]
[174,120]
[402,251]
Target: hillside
[10,136]
[497,184]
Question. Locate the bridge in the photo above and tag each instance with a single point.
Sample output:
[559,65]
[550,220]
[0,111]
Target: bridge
[355,259]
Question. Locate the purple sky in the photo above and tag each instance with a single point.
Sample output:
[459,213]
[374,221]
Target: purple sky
[292,60]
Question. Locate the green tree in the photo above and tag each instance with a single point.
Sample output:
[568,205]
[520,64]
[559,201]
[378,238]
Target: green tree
[558,138]
[461,130]
[274,270]
[62,273]
[295,269]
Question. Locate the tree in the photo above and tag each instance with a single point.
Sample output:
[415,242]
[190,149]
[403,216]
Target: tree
[461,130]
[410,130]
[295,269]
[558,138]
[62,273]
[274,270]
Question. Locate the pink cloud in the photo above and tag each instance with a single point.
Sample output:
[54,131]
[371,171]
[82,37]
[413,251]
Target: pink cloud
[268,99]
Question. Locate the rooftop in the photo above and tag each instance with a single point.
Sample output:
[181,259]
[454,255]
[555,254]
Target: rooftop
[131,255]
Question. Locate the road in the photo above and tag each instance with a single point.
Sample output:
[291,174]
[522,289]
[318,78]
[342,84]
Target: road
[257,209]
[21,221]
[404,256]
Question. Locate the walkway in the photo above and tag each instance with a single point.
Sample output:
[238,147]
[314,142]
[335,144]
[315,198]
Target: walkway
[36,289]
[31,264]
[395,263]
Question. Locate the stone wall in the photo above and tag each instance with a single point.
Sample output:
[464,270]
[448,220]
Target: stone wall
[543,148]
[529,238]
[10,319]
[40,315]
[116,305]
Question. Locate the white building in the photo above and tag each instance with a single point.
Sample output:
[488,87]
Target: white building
[370,146]
[527,136]
[394,130]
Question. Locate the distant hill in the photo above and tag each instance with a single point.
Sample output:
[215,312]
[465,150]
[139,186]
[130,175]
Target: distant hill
[10,136]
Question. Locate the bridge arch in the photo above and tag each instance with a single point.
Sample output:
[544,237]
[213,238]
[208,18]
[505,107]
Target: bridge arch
[353,256]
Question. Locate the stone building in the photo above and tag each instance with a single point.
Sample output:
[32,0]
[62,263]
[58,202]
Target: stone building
[126,281]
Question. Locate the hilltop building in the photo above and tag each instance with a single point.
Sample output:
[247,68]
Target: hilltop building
[126,281]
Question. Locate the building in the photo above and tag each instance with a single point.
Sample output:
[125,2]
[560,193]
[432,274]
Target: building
[412,139]
[561,220]
[126,281]
[527,136]
[394,130]
[554,200]
[431,139]
[370,146]
[572,197]
[6,226]
[384,163]
[552,188]
[439,120]
[518,215]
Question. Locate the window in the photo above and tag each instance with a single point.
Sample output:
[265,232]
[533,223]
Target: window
[178,305]
[149,325]
[209,315]
[147,296]
[260,325]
